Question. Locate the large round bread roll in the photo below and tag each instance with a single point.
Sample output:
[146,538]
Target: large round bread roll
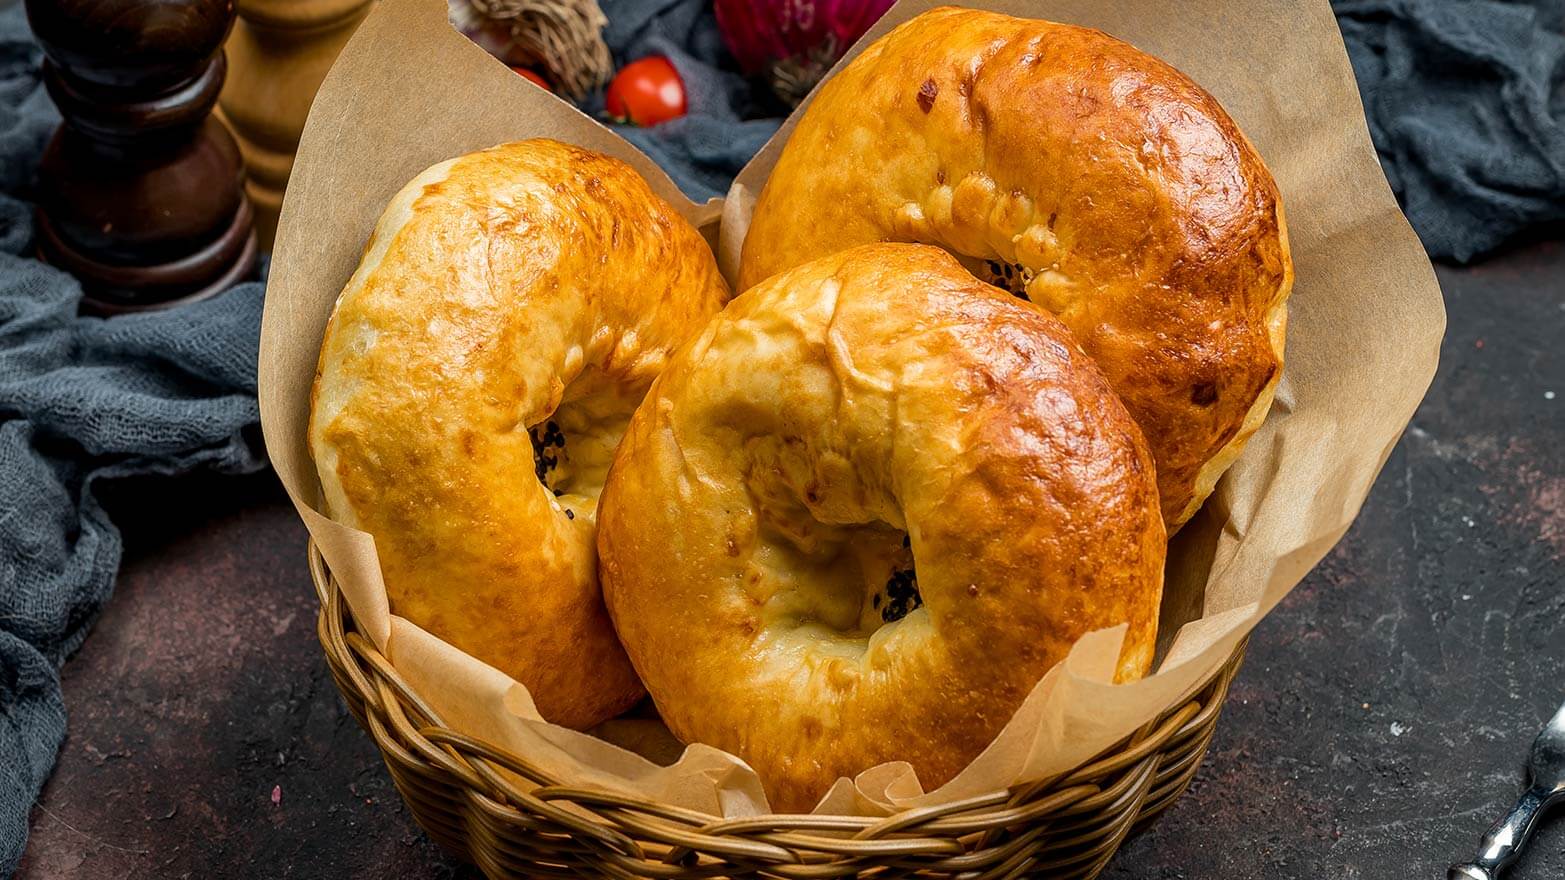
[478,370]
[864,511]
[1077,171]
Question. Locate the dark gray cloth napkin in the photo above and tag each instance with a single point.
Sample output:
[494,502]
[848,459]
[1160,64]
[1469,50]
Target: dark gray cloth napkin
[1463,98]
[1466,102]
[84,400]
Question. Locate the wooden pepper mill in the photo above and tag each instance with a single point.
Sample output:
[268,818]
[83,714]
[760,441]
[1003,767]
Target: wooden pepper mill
[141,191]
[278,55]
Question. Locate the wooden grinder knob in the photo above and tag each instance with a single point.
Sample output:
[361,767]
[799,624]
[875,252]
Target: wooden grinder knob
[141,190]
[278,55]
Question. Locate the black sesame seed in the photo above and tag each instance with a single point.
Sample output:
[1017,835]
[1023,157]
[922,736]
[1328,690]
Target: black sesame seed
[570,514]
[546,438]
[902,596]
[1010,277]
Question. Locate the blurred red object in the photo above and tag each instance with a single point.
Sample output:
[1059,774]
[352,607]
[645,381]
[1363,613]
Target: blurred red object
[794,42]
[534,76]
[646,92]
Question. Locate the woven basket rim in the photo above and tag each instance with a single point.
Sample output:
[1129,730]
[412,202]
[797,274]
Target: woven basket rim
[499,810]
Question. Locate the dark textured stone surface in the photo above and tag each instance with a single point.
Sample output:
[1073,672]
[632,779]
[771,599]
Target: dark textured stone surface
[200,692]
[1377,728]
[1382,716]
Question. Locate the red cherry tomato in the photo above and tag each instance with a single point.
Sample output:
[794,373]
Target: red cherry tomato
[533,75]
[646,92]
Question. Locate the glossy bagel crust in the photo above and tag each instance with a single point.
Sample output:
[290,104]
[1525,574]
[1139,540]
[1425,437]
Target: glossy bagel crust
[1060,160]
[530,284]
[752,525]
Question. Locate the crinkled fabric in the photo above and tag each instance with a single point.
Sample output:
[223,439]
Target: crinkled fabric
[84,400]
[1466,103]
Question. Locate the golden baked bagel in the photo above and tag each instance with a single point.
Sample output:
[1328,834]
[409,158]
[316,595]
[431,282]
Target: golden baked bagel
[510,311]
[1073,169]
[861,514]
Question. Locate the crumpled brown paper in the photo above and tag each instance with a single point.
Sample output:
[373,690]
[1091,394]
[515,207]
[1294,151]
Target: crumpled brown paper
[1364,331]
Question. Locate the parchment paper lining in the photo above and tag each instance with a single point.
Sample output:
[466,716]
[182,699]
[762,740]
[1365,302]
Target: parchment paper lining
[1364,331]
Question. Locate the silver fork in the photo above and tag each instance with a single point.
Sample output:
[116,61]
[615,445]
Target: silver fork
[1504,842]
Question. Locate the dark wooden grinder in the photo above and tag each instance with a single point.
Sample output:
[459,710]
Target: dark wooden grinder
[141,191]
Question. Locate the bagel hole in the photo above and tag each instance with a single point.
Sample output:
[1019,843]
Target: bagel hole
[848,581]
[573,445]
[834,559]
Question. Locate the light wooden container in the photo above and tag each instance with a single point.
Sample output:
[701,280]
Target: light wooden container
[278,54]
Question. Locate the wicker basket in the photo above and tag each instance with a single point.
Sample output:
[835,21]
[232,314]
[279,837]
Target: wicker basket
[1066,828]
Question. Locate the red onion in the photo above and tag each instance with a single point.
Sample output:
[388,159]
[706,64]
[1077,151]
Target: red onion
[493,36]
[794,42]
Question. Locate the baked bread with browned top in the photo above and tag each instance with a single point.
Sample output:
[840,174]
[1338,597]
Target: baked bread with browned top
[478,370]
[1077,171]
[864,511]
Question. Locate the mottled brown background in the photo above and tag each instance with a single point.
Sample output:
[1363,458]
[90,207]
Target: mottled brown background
[1378,725]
